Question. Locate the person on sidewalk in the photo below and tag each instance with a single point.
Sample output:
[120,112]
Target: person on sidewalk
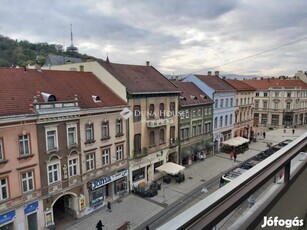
[109,208]
[147,227]
[99,225]
[231,155]
[234,156]
[263,134]
[293,131]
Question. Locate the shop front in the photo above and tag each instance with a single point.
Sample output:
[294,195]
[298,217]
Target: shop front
[143,170]
[107,188]
[7,220]
[30,211]
[26,216]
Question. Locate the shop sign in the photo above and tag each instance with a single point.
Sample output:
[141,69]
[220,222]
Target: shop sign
[106,180]
[7,217]
[81,203]
[30,208]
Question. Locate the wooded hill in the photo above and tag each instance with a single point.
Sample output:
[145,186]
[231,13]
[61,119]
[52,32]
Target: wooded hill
[22,53]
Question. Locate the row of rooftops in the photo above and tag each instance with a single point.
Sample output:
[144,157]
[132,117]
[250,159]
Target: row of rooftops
[20,88]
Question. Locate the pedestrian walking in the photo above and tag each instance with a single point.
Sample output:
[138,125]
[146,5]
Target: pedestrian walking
[109,206]
[231,155]
[147,227]
[284,130]
[234,157]
[293,131]
[263,134]
[99,225]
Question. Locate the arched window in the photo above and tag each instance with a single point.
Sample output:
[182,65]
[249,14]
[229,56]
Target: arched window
[152,138]
[162,136]
[221,121]
[162,111]
[151,111]
[230,119]
[226,120]
[215,123]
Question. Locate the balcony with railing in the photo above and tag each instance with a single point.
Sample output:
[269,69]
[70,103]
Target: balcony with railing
[159,122]
[138,153]
[173,142]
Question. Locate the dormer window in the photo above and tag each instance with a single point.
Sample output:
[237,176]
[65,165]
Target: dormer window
[48,97]
[193,97]
[182,98]
[203,96]
[96,98]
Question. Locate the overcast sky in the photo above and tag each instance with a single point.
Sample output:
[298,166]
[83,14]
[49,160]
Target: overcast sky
[176,36]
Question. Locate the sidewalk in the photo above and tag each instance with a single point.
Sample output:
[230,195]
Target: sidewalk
[137,210]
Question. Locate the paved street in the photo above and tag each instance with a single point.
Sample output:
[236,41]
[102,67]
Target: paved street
[140,211]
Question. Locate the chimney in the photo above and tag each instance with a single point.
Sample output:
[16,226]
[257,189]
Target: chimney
[81,68]
[217,73]
[209,73]
[147,63]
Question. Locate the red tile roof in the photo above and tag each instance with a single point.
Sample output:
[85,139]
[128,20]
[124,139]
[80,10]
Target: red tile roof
[215,82]
[191,94]
[18,87]
[265,84]
[240,85]
[140,79]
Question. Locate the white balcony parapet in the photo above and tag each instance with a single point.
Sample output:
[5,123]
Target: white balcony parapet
[159,122]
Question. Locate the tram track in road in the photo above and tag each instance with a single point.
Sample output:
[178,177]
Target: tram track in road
[184,202]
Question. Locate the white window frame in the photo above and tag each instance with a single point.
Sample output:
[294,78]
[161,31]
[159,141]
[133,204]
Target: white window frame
[105,153]
[89,127]
[4,186]
[58,172]
[1,150]
[187,114]
[119,127]
[105,125]
[90,161]
[24,142]
[73,166]
[56,146]
[119,152]
[75,134]
[28,180]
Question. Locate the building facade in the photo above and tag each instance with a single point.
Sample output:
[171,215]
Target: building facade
[223,110]
[195,123]
[76,143]
[153,124]
[153,119]
[20,194]
[279,102]
[244,108]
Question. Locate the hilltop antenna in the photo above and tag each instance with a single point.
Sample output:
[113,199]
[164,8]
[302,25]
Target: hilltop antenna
[71,36]
[71,48]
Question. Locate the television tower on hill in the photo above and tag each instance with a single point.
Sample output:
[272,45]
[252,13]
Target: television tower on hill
[71,48]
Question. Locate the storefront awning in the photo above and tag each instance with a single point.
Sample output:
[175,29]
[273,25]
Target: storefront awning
[170,168]
[235,141]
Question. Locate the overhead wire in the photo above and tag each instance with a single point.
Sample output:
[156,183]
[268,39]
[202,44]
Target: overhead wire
[250,56]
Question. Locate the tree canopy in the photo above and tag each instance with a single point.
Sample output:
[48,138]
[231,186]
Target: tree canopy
[22,53]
